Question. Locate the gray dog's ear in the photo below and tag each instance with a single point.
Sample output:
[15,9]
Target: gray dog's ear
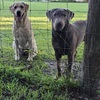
[49,13]
[69,13]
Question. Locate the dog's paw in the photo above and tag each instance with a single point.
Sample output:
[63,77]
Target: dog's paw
[17,58]
[34,55]
[30,59]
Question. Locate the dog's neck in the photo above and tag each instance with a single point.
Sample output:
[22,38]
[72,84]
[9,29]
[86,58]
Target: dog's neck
[66,28]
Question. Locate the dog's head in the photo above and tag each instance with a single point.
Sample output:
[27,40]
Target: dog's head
[19,9]
[59,17]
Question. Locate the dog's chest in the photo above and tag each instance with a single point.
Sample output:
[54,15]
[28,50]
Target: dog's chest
[22,36]
[61,43]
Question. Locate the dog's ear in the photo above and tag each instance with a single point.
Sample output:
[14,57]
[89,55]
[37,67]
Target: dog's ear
[49,13]
[70,14]
[26,6]
[11,8]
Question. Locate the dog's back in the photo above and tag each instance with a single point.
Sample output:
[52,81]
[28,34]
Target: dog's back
[81,25]
[79,28]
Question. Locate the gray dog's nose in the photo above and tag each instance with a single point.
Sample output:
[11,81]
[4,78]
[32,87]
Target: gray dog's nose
[18,13]
[59,24]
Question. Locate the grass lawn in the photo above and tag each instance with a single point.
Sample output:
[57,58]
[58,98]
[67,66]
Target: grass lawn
[34,83]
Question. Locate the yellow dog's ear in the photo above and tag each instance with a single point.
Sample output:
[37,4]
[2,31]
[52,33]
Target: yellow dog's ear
[26,6]
[11,8]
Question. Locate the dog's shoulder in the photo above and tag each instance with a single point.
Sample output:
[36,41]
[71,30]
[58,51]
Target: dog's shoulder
[80,25]
[72,28]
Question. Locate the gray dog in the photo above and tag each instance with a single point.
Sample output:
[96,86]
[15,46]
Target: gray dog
[66,37]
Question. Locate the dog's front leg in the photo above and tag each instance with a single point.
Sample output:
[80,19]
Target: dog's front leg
[30,58]
[16,49]
[70,61]
[58,58]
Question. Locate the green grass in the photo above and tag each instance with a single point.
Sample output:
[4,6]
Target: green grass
[34,83]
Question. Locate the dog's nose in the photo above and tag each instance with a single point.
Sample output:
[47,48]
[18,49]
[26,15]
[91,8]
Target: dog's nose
[18,13]
[59,24]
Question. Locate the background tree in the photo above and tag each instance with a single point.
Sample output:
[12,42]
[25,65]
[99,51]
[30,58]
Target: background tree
[91,64]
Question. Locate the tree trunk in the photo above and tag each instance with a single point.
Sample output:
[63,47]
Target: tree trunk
[91,63]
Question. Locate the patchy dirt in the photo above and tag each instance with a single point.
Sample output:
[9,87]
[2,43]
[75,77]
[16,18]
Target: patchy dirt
[52,69]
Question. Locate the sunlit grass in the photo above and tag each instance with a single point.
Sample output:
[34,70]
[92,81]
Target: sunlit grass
[31,18]
[36,22]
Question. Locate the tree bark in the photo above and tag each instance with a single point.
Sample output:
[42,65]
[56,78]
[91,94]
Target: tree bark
[91,63]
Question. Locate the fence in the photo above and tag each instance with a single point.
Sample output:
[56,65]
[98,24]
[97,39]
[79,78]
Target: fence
[41,27]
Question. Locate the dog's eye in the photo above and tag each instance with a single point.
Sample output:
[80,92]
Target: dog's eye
[55,14]
[15,7]
[64,15]
[21,7]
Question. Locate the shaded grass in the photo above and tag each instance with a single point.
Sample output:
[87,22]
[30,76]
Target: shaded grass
[32,84]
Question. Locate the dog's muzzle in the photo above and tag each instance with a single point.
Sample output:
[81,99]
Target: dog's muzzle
[58,26]
[19,15]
